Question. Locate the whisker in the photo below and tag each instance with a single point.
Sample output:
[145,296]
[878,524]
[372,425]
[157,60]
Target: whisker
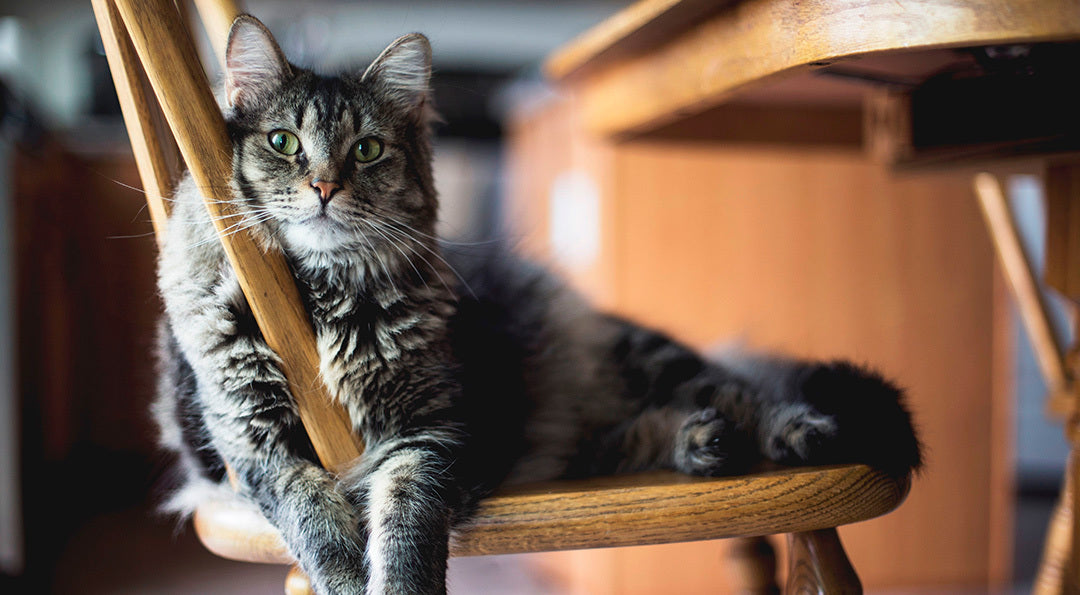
[242,225]
[389,240]
[131,237]
[379,258]
[436,254]
[390,219]
[408,245]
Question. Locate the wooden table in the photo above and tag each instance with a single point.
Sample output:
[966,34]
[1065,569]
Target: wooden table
[916,84]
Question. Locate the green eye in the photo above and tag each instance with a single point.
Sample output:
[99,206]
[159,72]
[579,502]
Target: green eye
[284,142]
[367,149]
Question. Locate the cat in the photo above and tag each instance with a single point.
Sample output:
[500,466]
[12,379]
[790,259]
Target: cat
[463,370]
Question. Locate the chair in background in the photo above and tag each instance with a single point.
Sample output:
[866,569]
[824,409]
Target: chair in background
[1057,569]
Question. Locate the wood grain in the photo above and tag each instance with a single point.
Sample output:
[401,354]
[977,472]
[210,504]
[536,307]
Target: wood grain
[817,565]
[156,153]
[616,511]
[751,42]
[176,75]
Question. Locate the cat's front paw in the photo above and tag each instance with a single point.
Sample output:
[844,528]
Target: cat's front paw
[708,444]
[335,568]
[799,434]
[338,581]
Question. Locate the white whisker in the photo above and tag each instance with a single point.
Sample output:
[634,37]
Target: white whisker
[380,260]
[435,253]
[408,244]
[390,240]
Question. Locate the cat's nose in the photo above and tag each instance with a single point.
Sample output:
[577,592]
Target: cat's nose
[326,189]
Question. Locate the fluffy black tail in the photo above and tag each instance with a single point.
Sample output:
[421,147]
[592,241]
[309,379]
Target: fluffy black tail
[875,425]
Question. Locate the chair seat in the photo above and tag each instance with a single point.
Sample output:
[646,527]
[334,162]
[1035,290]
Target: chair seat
[648,508]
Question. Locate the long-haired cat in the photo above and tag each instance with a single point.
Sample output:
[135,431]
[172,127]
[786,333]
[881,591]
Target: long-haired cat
[456,386]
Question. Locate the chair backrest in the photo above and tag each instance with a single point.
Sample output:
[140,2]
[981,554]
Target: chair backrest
[147,44]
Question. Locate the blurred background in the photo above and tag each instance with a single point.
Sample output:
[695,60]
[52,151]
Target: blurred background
[710,241]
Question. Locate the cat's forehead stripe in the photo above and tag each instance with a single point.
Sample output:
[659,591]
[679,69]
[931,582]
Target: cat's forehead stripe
[319,103]
[309,116]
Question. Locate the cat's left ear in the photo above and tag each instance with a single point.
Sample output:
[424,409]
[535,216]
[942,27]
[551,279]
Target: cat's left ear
[403,70]
[254,64]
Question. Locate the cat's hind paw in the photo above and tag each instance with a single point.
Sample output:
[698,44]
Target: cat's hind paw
[708,444]
[799,434]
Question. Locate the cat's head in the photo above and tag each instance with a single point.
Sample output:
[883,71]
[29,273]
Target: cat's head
[331,164]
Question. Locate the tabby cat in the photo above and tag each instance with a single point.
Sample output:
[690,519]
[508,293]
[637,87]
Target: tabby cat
[457,384]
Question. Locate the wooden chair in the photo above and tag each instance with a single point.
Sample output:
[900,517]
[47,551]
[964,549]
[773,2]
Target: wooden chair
[1057,569]
[148,47]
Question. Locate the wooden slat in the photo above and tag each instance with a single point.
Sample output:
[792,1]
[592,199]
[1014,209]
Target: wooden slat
[156,154]
[180,84]
[660,507]
[753,40]
[217,17]
[1025,288]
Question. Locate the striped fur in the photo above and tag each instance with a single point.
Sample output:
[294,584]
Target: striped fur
[458,386]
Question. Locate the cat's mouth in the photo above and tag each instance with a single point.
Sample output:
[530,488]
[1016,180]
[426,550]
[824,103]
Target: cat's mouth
[321,219]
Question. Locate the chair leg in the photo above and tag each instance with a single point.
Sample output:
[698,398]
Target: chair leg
[1058,546]
[817,565]
[297,583]
[752,564]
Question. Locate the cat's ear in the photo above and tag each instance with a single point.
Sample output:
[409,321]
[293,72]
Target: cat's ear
[403,70]
[254,64]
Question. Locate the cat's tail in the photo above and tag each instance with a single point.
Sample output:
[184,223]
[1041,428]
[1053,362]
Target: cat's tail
[876,426]
[870,420]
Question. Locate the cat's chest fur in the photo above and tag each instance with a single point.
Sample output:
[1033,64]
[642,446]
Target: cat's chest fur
[375,341]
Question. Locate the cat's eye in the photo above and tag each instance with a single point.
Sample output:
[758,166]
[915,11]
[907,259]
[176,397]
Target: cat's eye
[284,142]
[368,149]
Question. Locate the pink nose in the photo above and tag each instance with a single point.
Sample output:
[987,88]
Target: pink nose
[326,189]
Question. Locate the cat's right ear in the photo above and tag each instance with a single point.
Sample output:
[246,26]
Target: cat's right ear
[254,64]
[404,71]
